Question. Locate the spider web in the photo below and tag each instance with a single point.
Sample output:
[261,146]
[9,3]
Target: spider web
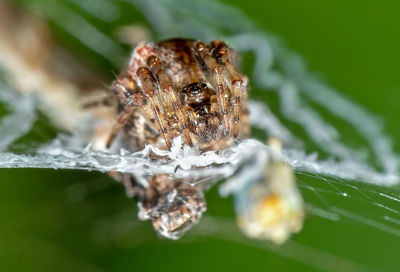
[335,178]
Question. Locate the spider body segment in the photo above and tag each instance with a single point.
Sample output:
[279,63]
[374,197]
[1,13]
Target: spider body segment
[178,87]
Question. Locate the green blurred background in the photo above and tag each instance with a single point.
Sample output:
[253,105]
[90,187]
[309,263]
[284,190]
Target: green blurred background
[81,221]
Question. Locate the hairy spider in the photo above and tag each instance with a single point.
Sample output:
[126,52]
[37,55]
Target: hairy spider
[178,87]
[182,87]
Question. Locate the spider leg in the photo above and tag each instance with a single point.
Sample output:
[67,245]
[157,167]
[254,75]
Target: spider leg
[105,101]
[245,128]
[221,51]
[124,90]
[131,186]
[213,121]
[122,118]
[167,89]
[146,79]
[121,88]
[217,70]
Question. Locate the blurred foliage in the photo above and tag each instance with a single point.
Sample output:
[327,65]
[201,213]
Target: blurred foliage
[80,221]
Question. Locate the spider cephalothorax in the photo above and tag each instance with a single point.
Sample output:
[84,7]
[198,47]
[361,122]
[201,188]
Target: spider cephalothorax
[178,87]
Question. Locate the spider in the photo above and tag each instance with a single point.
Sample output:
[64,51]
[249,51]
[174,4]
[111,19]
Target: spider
[178,87]
[182,87]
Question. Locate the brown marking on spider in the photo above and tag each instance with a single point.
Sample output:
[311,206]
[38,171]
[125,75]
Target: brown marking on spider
[178,87]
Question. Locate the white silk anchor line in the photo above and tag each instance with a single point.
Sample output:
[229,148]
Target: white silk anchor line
[72,152]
